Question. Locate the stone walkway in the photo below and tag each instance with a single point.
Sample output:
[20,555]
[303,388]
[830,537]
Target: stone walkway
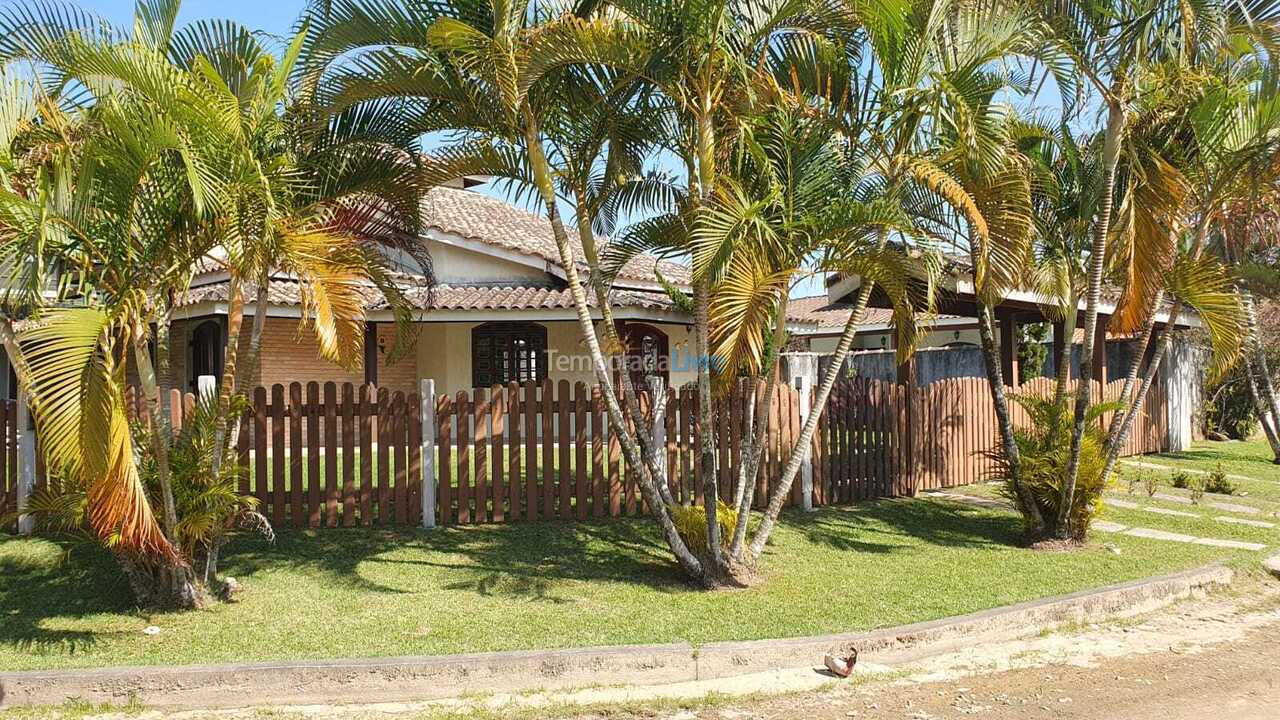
[1107,526]
[1193,471]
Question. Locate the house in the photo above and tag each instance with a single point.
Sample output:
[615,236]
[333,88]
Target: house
[500,311]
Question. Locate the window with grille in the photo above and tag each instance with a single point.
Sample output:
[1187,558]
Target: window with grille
[506,352]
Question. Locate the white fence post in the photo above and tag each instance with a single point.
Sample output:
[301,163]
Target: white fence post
[206,386]
[804,385]
[26,463]
[428,414]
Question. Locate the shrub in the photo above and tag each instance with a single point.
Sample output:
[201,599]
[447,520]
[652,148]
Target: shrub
[1045,452]
[1218,482]
[1196,486]
[1181,479]
[691,524]
[1150,483]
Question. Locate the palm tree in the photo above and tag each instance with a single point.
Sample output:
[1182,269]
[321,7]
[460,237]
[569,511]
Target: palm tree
[1230,132]
[794,202]
[1112,45]
[476,68]
[199,163]
[114,233]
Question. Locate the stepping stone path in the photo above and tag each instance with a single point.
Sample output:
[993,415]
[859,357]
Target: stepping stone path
[1157,466]
[1242,521]
[1107,526]
[1166,511]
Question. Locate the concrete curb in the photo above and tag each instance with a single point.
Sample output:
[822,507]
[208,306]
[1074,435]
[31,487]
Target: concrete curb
[426,678]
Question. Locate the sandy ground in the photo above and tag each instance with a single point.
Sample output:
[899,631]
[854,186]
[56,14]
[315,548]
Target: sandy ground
[1214,658]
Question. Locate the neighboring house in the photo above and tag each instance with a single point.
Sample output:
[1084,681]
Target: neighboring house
[818,322]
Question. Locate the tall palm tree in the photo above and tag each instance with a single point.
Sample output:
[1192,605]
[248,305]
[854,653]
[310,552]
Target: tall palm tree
[199,164]
[1104,49]
[794,202]
[478,68]
[1230,131]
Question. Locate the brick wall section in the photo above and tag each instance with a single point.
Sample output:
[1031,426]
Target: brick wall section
[289,356]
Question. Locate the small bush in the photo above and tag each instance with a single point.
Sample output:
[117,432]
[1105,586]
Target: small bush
[1150,483]
[1196,486]
[1218,482]
[1181,479]
[1045,458]
[691,524]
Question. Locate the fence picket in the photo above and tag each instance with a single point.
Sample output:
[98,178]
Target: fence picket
[599,481]
[383,468]
[462,408]
[314,503]
[480,479]
[531,464]
[497,451]
[297,489]
[277,455]
[399,458]
[445,468]
[348,456]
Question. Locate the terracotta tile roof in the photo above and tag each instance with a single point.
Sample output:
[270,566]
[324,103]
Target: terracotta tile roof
[827,315]
[476,216]
[444,297]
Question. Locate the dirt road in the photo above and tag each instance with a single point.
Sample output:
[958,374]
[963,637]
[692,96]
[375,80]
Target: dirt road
[1237,679]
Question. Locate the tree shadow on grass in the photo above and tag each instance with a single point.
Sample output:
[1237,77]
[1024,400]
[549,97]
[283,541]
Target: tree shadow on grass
[522,560]
[81,580]
[887,526]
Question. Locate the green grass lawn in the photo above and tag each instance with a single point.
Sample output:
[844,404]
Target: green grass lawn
[364,592]
[1247,458]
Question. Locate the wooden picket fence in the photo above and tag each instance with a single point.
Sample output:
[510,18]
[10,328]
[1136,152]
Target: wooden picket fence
[330,455]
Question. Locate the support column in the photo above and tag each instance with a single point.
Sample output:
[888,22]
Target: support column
[371,353]
[1009,349]
[804,386]
[1100,353]
[1060,341]
[427,395]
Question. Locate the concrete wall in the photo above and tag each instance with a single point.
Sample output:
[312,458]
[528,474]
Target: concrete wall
[1183,372]
[872,341]
[458,266]
[942,363]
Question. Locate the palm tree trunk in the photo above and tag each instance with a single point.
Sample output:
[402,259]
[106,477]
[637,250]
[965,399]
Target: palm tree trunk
[702,342]
[1266,393]
[706,420]
[758,423]
[630,394]
[778,495]
[546,190]
[1062,378]
[1008,443]
[161,431]
[1135,364]
[1116,442]
[1093,297]
[1117,438]
[235,318]
[1265,418]
[250,370]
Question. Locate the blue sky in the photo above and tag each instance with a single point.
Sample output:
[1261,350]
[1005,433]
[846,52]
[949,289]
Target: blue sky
[273,16]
